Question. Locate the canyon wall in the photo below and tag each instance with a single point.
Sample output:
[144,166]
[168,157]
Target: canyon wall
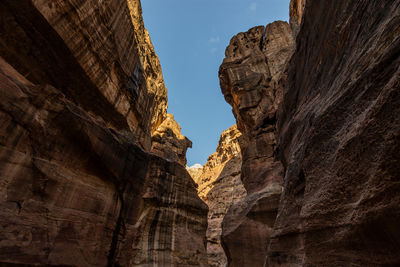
[220,187]
[251,77]
[339,139]
[82,101]
[323,124]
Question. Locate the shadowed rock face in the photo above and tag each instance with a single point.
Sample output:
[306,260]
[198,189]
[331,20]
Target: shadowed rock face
[339,139]
[81,94]
[220,187]
[251,79]
[100,47]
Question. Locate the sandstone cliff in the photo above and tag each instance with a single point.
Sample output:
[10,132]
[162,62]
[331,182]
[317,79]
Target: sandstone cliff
[219,185]
[81,96]
[168,142]
[333,138]
[250,77]
[339,139]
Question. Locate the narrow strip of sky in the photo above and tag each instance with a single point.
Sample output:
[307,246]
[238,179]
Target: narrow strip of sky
[190,37]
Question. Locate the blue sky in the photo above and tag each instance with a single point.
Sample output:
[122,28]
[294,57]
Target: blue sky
[190,37]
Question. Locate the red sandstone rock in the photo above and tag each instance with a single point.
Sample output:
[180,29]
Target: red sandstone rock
[82,99]
[168,142]
[339,137]
[250,78]
[219,185]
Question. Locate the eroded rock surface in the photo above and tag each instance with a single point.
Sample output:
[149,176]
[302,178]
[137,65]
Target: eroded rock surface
[339,139]
[220,187]
[250,77]
[101,45]
[81,95]
[168,141]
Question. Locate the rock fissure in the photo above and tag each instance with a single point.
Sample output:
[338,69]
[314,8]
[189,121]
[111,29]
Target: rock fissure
[92,167]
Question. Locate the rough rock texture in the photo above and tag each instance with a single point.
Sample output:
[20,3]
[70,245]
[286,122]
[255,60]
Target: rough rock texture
[296,10]
[79,100]
[169,143]
[228,148]
[219,185]
[340,138]
[102,45]
[250,77]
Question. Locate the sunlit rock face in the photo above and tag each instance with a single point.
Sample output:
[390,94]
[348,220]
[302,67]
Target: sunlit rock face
[220,187]
[339,139]
[168,141]
[296,10]
[81,95]
[251,78]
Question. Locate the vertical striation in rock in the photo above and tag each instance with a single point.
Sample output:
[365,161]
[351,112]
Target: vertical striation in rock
[251,80]
[101,45]
[81,94]
[296,10]
[220,187]
[339,137]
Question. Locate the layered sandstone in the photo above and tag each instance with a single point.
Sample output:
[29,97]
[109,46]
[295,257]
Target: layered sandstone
[220,187]
[339,137]
[97,46]
[168,142]
[296,10]
[82,93]
[251,80]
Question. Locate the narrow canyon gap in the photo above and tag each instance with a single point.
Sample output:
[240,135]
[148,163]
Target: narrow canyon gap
[93,168]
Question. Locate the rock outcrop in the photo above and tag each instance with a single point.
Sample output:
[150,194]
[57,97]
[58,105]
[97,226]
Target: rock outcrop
[339,137]
[101,45]
[250,77]
[220,187]
[296,10]
[81,95]
[168,142]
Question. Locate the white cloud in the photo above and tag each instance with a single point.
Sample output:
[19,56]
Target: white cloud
[253,7]
[195,166]
[214,40]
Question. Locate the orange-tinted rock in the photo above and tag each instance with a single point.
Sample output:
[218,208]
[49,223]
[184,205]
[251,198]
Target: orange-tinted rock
[219,185]
[75,192]
[250,78]
[339,130]
[77,109]
[168,142]
[296,10]
[101,45]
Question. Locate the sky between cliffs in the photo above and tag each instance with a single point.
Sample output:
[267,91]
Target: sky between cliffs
[190,37]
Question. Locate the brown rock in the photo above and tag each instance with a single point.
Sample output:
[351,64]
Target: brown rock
[168,142]
[250,78]
[98,54]
[82,99]
[219,185]
[296,11]
[339,139]
[75,192]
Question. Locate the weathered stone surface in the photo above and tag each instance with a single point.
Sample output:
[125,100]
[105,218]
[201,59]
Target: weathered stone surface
[168,142]
[75,192]
[296,10]
[250,78]
[78,105]
[219,185]
[228,148]
[339,139]
[102,45]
